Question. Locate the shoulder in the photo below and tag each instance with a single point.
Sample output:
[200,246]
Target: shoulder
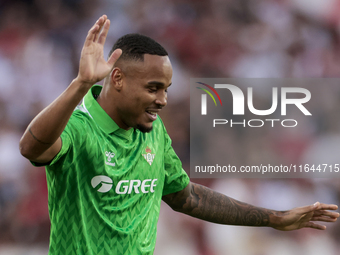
[79,122]
[80,115]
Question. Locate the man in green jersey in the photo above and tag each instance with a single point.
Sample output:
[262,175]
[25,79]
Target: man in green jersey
[110,162]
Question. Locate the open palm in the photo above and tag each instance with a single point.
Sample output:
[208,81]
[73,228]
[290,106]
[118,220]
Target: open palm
[93,67]
[304,217]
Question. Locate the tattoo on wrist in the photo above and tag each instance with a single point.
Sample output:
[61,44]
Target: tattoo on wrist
[29,130]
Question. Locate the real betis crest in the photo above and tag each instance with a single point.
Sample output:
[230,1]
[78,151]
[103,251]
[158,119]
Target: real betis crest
[148,155]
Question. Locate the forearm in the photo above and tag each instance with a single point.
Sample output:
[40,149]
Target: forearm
[209,205]
[47,126]
[41,141]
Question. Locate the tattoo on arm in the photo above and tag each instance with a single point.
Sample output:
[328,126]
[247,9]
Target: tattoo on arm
[209,205]
[29,130]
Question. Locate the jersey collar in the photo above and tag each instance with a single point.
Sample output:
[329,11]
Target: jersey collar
[98,114]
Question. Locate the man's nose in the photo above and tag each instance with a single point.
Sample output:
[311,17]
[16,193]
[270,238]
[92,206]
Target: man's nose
[162,98]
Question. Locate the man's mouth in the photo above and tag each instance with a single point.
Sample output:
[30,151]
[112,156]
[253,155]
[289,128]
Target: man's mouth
[151,112]
[152,115]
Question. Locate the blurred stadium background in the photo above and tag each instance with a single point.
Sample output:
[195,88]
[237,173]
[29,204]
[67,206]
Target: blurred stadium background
[40,43]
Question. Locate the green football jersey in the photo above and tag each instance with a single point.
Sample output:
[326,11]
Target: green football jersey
[106,184]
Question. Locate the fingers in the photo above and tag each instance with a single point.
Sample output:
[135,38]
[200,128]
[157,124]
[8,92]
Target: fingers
[321,214]
[103,34]
[94,31]
[324,218]
[308,208]
[114,57]
[100,22]
[327,207]
[91,34]
[316,207]
[315,226]
[326,213]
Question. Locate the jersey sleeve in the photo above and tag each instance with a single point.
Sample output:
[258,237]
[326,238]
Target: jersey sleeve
[67,138]
[176,179]
[66,142]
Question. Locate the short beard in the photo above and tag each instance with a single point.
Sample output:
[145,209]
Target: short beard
[143,129]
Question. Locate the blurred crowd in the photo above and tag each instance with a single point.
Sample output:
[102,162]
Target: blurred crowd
[40,44]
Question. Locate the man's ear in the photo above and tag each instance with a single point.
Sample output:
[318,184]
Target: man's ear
[116,78]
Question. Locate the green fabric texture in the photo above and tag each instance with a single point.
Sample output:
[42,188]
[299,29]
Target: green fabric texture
[106,184]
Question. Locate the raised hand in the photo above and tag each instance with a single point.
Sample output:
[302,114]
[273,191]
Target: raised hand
[304,217]
[93,67]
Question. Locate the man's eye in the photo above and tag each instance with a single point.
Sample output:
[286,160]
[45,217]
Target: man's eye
[152,90]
